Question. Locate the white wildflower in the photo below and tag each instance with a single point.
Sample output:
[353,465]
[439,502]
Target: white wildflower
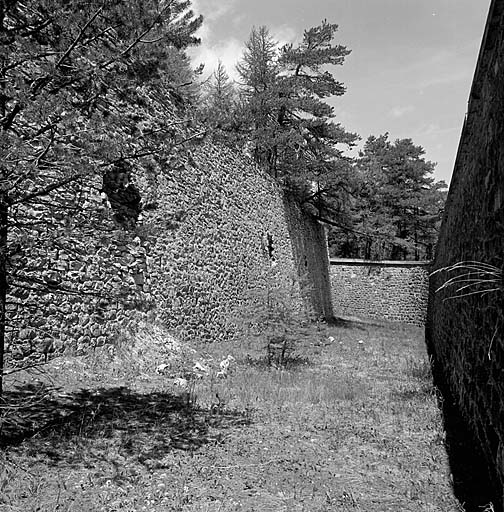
[198,367]
[181,383]
[224,367]
[161,368]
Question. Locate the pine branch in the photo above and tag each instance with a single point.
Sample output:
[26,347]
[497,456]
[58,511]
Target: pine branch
[21,369]
[78,38]
[138,39]
[47,190]
[57,288]
[8,120]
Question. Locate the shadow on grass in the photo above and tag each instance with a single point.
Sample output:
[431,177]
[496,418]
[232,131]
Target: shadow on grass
[471,482]
[408,395]
[350,324]
[151,424]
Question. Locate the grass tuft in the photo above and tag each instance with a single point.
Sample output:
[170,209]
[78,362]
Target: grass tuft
[472,278]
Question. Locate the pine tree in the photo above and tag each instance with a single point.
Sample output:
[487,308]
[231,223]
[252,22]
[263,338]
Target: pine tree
[397,210]
[259,76]
[291,123]
[306,84]
[218,101]
[257,68]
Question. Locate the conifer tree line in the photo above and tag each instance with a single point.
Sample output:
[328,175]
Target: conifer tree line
[87,88]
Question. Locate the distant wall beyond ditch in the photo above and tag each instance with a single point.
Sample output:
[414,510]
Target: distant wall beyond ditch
[396,291]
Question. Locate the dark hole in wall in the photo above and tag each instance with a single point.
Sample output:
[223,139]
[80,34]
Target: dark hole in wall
[269,237]
[123,195]
[471,482]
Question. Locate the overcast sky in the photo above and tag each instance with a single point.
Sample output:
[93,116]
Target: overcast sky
[410,70]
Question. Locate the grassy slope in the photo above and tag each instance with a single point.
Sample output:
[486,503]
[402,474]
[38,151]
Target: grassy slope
[351,424]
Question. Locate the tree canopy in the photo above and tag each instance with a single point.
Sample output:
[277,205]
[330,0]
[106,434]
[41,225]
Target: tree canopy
[287,117]
[383,204]
[398,205]
[218,104]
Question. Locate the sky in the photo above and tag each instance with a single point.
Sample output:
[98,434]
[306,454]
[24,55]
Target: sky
[409,72]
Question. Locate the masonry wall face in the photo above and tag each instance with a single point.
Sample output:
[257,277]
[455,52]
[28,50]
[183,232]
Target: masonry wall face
[219,229]
[466,333]
[392,291]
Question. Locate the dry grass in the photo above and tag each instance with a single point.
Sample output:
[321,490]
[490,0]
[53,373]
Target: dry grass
[351,423]
[470,278]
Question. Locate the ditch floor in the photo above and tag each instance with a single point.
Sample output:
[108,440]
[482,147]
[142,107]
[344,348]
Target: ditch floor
[351,423]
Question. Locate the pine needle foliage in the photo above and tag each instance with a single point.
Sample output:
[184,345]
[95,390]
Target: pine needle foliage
[287,117]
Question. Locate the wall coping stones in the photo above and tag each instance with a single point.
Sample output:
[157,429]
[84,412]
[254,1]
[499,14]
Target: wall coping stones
[378,263]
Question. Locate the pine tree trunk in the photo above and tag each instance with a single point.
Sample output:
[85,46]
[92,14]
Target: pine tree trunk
[4,216]
[4,210]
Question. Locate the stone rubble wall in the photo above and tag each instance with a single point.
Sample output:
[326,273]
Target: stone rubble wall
[394,291]
[466,334]
[218,230]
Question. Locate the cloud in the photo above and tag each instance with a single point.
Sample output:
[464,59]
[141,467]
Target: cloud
[212,10]
[445,79]
[399,111]
[430,130]
[284,34]
[433,69]
[213,47]
[438,68]
[228,52]
[433,129]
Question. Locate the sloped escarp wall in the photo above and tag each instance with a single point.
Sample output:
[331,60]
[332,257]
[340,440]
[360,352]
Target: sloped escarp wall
[381,290]
[466,334]
[216,228]
[310,252]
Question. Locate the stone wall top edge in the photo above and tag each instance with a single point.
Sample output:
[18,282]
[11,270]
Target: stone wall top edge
[485,54]
[492,28]
[377,263]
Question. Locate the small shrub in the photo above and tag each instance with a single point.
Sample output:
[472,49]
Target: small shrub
[277,317]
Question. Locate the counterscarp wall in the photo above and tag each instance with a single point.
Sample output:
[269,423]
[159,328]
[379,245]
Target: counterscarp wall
[381,290]
[465,333]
